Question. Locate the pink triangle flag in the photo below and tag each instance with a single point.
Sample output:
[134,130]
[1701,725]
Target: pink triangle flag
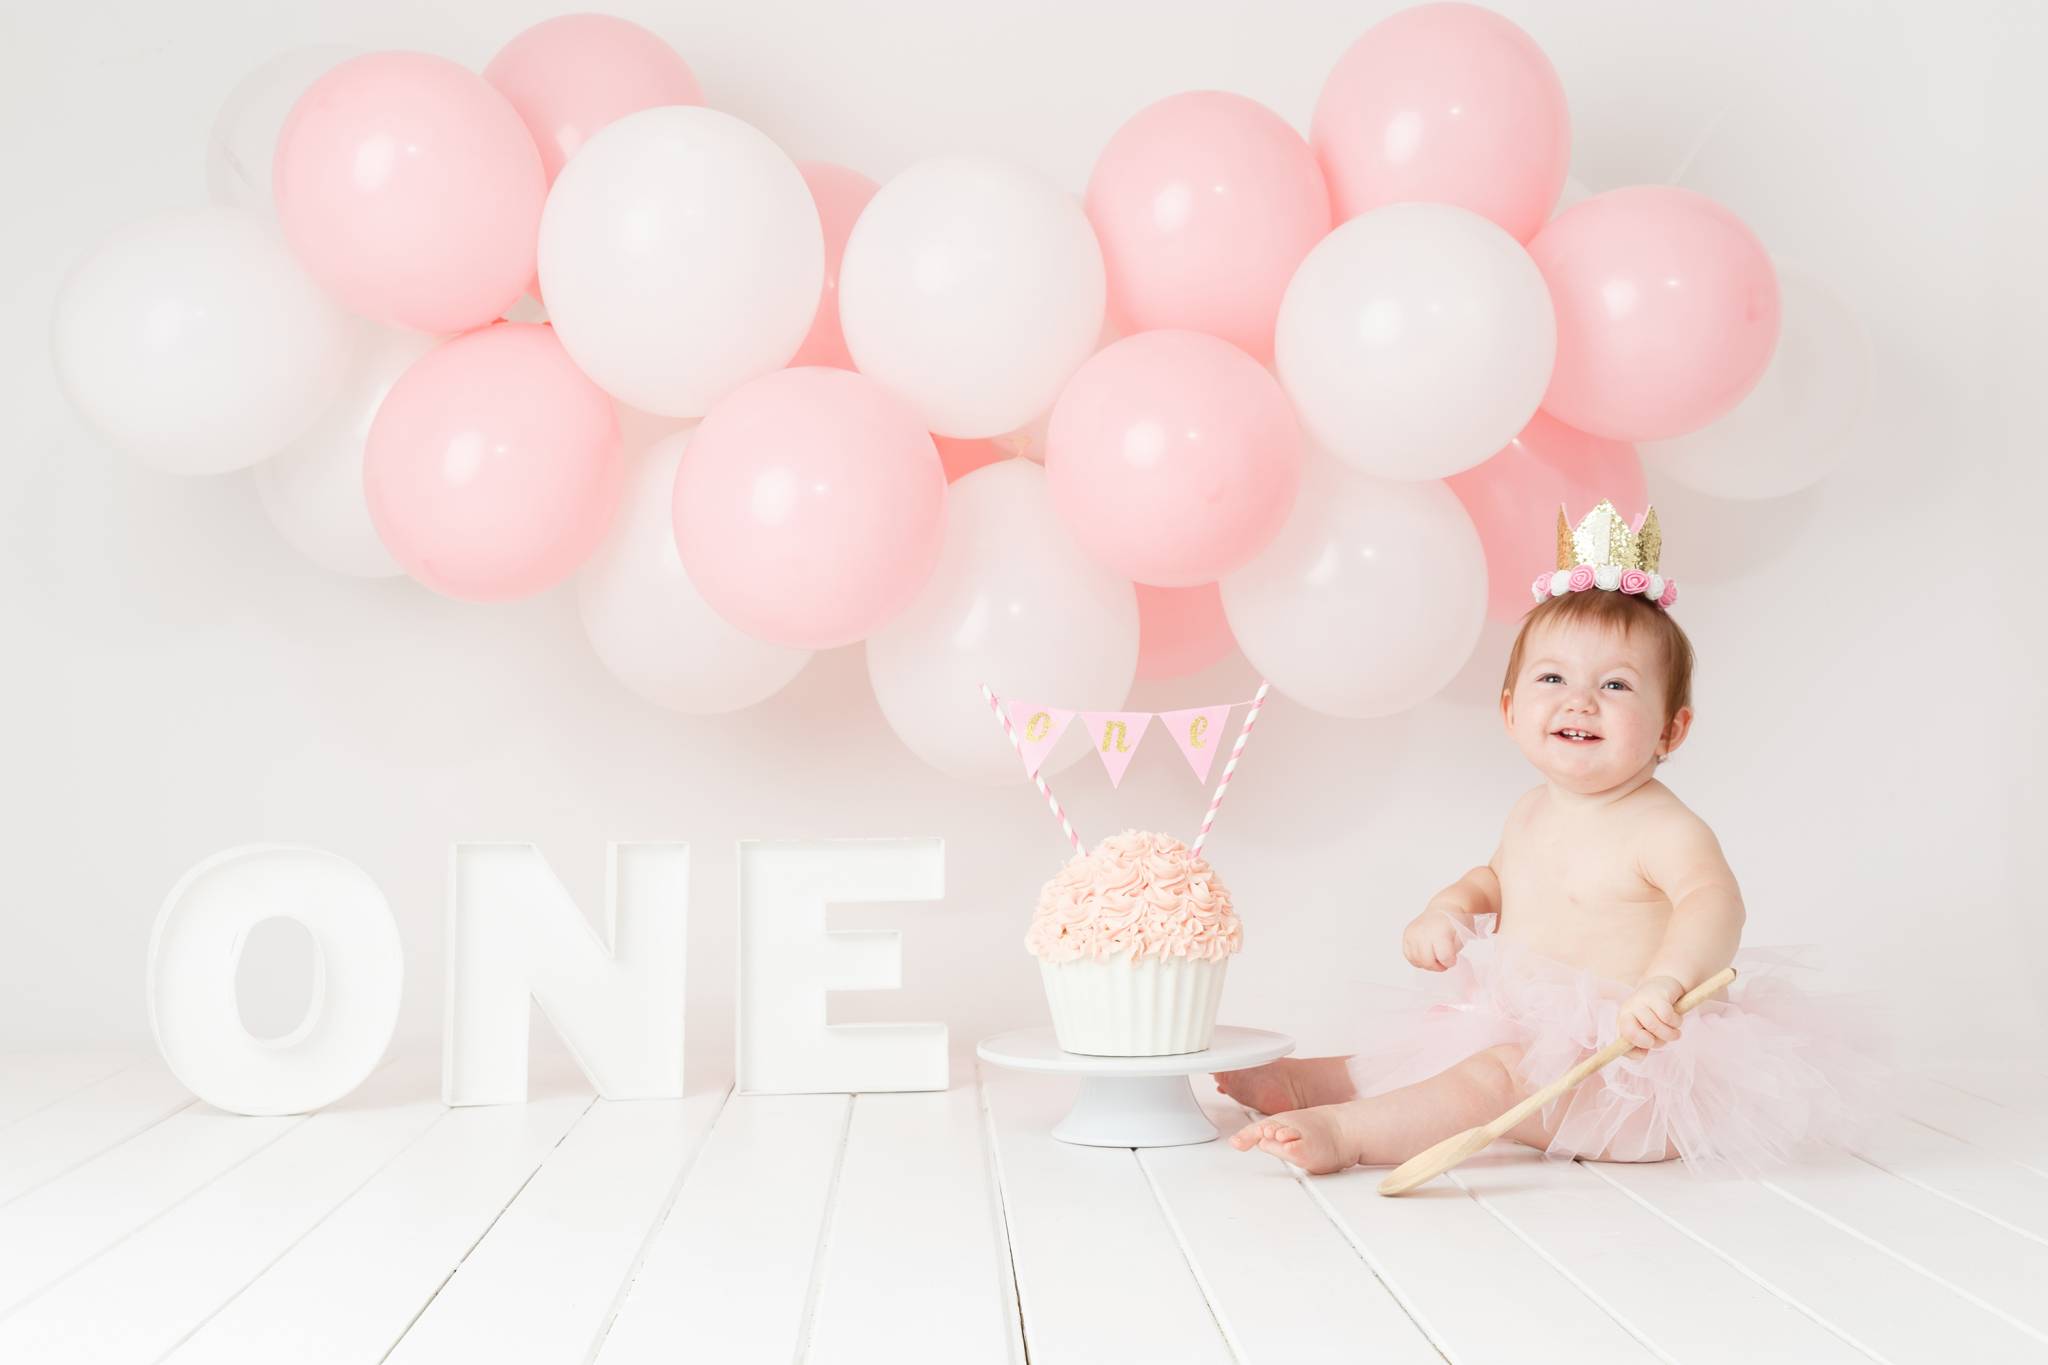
[1115,735]
[1199,733]
[1038,729]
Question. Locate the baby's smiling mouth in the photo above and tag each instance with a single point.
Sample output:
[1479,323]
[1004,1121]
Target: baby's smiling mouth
[1573,735]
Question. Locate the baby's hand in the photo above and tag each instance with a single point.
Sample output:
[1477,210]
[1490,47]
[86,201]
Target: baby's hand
[1431,940]
[1650,1015]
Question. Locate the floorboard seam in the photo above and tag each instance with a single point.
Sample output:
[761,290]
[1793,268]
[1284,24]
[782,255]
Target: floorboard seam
[995,1154]
[64,1095]
[654,1229]
[107,1250]
[1573,1280]
[1906,1261]
[478,1240]
[1006,1263]
[1187,1254]
[308,1231]
[162,1118]
[1956,1200]
[1361,1251]
[2038,1172]
[1774,1290]
[825,1227]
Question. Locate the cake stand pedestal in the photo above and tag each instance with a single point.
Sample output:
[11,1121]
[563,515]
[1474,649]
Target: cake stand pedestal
[1134,1101]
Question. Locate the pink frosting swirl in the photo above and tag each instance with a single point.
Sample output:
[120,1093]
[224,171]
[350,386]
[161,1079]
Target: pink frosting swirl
[1670,593]
[1582,579]
[1137,895]
[1634,580]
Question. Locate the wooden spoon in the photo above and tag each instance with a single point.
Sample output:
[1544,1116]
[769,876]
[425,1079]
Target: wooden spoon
[1427,1165]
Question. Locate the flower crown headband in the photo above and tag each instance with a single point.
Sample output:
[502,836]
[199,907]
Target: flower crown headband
[1609,554]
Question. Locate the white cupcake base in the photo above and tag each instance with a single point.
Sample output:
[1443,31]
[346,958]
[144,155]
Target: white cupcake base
[1135,1101]
[1150,1007]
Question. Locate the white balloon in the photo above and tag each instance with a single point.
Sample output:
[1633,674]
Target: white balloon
[1369,600]
[1416,340]
[974,288]
[1015,604]
[646,621]
[313,491]
[243,141]
[680,256]
[194,342]
[1795,425]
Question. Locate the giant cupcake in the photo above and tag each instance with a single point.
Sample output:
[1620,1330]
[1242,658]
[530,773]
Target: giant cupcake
[1132,941]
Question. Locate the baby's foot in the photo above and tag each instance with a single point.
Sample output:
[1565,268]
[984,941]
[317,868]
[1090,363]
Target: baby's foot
[1321,1140]
[1290,1083]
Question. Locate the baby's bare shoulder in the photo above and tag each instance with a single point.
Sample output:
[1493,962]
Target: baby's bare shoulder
[1669,833]
[1657,809]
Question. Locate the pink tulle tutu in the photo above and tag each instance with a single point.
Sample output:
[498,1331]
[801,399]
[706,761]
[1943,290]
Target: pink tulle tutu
[1752,1076]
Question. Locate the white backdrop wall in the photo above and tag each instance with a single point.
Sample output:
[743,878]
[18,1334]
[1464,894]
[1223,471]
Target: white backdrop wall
[177,680]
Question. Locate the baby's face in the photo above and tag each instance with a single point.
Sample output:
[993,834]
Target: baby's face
[1588,706]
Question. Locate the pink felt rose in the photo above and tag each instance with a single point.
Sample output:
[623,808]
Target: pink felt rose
[1582,578]
[1634,580]
[1539,588]
[1670,593]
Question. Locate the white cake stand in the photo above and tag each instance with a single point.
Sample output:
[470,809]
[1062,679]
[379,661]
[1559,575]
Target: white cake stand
[1134,1101]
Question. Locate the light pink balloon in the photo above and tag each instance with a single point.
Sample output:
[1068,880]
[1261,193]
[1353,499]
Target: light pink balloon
[411,191]
[810,507]
[493,467]
[1180,630]
[1173,457]
[1667,312]
[1204,204]
[1513,500]
[840,195]
[1448,104]
[570,76]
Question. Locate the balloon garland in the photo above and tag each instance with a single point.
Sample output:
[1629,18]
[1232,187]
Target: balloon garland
[1290,394]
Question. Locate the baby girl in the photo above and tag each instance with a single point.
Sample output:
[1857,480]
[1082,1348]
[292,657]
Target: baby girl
[1606,900]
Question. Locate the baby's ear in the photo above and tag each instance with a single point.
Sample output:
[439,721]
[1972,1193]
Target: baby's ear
[1676,729]
[1507,709]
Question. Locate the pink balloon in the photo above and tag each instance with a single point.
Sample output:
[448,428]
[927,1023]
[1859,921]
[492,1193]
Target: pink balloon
[840,195]
[1667,312]
[1448,104]
[1173,457]
[1180,630]
[1204,204]
[1513,500]
[411,191]
[810,507]
[493,467]
[570,76]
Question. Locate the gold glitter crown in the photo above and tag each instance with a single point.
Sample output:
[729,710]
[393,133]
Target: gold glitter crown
[1604,540]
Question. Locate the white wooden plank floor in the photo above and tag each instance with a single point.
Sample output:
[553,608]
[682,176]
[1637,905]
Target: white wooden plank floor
[139,1225]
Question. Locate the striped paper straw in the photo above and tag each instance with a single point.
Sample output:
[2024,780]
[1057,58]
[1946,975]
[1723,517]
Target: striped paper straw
[1043,790]
[1251,718]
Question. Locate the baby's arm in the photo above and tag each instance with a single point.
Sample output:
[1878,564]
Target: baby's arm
[1431,940]
[1682,859]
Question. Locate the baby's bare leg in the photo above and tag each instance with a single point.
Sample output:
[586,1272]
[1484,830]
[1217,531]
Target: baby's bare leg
[1535,1132]
[1386,1130]
[1290,1083]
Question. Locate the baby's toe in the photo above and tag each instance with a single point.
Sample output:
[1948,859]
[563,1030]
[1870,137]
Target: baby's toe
[1285,1144]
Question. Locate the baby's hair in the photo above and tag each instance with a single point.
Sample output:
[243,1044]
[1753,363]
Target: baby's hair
[1625,612]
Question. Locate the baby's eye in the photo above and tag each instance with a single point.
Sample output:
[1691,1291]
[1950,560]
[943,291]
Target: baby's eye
[1615,682]
[1549,677]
